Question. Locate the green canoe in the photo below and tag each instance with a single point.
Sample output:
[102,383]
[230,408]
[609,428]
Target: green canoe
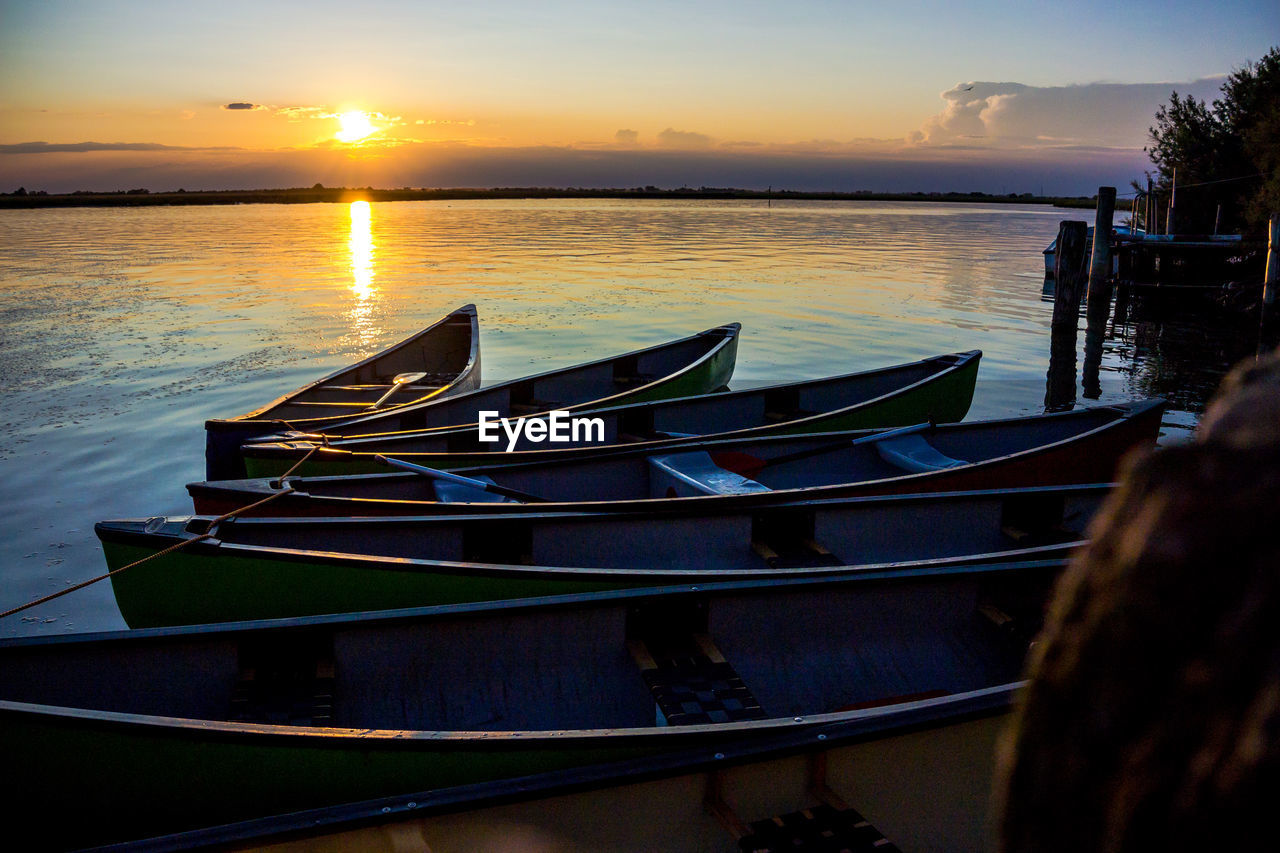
[123,736]
[938,389]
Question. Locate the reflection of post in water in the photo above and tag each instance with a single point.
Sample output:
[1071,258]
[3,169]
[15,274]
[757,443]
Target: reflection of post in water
[1060,389]
[1270,281]
[1099,291]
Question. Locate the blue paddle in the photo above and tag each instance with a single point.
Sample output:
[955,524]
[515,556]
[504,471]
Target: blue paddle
[435,474]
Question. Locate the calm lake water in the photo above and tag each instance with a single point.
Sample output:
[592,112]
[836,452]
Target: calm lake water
[122,330]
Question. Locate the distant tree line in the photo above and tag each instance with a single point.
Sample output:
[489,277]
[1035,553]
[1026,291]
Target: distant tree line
[1225,154]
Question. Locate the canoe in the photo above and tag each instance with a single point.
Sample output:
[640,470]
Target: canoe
[697,364]
[441,360]
[148,732]
[1082,446]
[256,568]
[922,777]
[938,389]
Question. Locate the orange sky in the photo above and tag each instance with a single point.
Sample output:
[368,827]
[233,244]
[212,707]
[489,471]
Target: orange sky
[143,92]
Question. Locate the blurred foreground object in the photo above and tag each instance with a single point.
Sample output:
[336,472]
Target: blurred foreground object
[1152,719]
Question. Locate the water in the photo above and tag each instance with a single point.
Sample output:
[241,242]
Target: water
[124,329]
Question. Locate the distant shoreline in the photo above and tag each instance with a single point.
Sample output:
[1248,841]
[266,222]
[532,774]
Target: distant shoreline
[314,195]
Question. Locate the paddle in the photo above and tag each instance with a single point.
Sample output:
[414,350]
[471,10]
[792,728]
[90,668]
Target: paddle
[523,497]
[748,466]
[400,380]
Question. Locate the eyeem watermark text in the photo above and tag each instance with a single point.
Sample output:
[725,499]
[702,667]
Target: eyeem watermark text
[558,427]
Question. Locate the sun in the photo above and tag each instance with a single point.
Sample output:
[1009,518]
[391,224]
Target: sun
[355,127]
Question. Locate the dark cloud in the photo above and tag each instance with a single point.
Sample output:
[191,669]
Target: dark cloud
[241,105]
[79,147]
[684,139]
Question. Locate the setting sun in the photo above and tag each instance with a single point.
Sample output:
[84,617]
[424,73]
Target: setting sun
[355,127]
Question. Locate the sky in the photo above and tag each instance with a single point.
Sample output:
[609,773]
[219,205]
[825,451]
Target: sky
[803,94]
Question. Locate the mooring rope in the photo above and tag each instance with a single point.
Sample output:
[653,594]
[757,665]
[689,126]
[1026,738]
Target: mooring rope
[323,436]
[208,534]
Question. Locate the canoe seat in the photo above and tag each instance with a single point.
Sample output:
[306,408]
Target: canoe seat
[695,473]
[421,385]
[833,828]
[912,453]
[691,682]
[452,493]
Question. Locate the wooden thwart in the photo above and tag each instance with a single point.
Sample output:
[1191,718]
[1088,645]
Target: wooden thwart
[799,554]
[829,825]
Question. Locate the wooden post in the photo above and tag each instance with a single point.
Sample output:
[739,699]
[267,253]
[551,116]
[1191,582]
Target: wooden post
[1099,307]
[1148,219]
[1173,195]
[1272,281]
[1100,259]
[1069,276]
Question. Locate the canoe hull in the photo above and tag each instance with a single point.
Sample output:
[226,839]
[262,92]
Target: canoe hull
[156,732]
[293,568]
[923,788]
[439,344]
[1091,456]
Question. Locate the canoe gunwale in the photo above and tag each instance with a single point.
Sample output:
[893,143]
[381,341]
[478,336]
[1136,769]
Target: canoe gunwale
[706,579]
[634,596]
[655,508]
[346,738]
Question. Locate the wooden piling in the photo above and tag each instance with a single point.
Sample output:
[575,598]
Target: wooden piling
[1099,298]
[1151,208]
[1173,201]
[1069,275]
[1100,258]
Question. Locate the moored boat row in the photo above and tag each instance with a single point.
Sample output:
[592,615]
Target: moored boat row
[726,590]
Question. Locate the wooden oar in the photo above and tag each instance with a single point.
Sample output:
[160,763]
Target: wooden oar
[400,380]
[746,465]
[434,474]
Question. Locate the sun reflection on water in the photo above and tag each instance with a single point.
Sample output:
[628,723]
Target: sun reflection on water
[364,330]
[361,244]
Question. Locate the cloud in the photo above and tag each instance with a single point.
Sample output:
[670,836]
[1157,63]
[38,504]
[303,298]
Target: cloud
[626,137]
[299,113]
[683,139]
[82,147]
[242,105]
[1014,114]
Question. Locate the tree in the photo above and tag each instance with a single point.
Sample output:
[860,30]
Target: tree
[1225,154]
